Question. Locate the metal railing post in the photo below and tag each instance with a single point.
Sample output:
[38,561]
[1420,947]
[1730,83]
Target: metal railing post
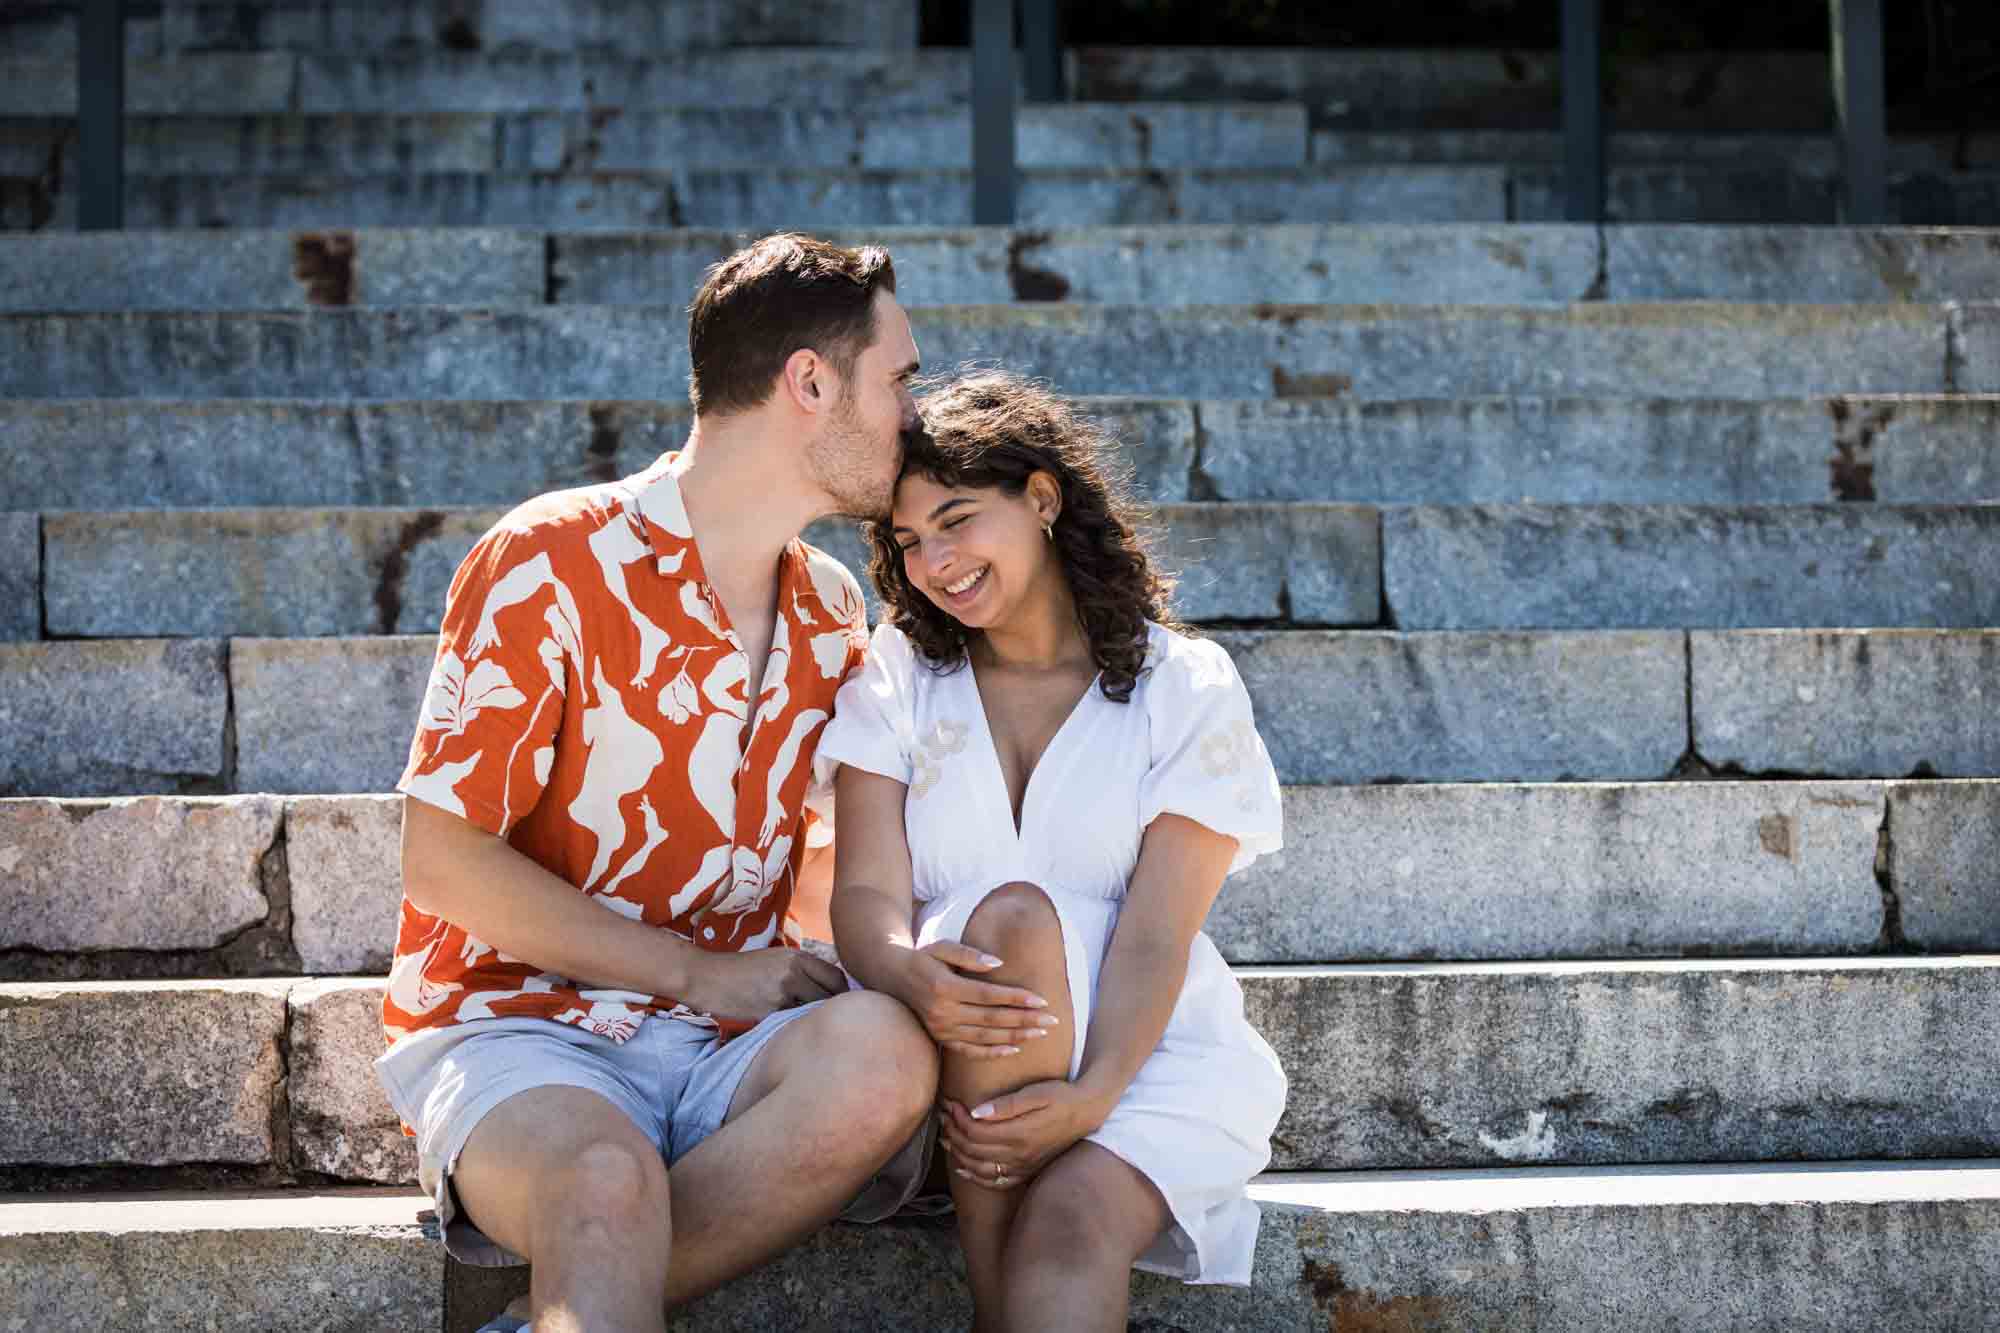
[1042,50]
[100,115]
[1860,110]
[993,112]
[1583,110]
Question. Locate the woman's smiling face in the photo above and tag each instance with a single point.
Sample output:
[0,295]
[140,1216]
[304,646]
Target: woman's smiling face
[975,552]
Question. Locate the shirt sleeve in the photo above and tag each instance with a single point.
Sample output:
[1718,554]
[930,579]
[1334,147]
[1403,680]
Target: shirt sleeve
[873,726]
[508,645]
[1208,763]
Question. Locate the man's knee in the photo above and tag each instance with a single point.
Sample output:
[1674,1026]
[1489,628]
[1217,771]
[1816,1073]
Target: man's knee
[888,1062]
[618,1183]
[1011,915]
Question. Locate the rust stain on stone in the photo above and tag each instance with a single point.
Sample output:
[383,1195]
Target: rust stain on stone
[1309,384]
[1029,282]
[323,261]
[1776,833]
[1351,1311]
[605,436]
[1142,130]
[1851,470]
[1507,253]
[457,34]
[396,566]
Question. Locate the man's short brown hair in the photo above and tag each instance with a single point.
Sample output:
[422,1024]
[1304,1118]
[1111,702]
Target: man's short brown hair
[765,302]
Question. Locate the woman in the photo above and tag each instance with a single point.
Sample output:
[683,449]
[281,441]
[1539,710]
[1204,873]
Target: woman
[1042,785]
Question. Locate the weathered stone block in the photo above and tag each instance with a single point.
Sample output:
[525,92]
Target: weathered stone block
[1944,862]
[1574,1063]
[1976,349]
[1131,135]
[247,270]
[934,266]
[1502,450]
[222,83]
[1929,450]
[1561,871]
[1303,563]
[1685,192]
[132,874]
[109,454]
[342,1124]
[110,719]
[1656,567]
[225,1261]
[1847,703]
[326,715]
[289,572]
[345,858]
[20,576]
[1376,707]
[142,1073]
[1675,263]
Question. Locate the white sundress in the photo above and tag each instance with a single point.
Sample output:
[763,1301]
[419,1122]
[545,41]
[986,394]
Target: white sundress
[1197,1119]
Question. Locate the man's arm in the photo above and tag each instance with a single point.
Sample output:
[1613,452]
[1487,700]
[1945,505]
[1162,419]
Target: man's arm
[455,870]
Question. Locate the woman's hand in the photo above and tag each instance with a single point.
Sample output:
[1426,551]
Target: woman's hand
[978,1020]
[1003,1143]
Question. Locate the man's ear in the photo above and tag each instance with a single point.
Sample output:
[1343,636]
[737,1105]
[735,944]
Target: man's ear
[807,381]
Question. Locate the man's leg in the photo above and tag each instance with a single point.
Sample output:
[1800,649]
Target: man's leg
[563,1177]
[828,1100]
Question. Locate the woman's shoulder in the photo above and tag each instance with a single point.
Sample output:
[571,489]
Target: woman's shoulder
[1183,661]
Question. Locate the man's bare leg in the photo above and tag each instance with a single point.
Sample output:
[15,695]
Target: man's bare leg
[829,1100]
[1017,924]
[563,1177]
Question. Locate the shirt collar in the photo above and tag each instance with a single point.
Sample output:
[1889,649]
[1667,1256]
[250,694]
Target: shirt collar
[656,496]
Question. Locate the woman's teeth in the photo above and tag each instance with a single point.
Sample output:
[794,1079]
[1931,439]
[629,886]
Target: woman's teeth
[965,584]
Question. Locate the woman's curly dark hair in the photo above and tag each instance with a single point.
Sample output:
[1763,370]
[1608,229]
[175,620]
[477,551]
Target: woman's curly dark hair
[993,429]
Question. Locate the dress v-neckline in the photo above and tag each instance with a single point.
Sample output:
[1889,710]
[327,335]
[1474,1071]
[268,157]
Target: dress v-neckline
[999,769]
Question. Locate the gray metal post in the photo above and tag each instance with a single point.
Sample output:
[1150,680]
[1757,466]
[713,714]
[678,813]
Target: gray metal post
[1860,109]
[1583,110]
[100,114]
[1042,49]
[993,112]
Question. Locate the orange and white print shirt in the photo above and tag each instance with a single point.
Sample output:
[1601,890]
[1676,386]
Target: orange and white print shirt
[589,703]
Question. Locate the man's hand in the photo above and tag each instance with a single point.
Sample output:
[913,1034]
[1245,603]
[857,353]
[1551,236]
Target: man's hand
[1003,1143]
[979,1020]
[751,986]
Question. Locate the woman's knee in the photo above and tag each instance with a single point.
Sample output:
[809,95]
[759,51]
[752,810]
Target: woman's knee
[1011,916]
[1062,1222]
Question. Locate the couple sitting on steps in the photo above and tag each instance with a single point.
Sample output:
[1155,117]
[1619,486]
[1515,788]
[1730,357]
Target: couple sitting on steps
[615,1028]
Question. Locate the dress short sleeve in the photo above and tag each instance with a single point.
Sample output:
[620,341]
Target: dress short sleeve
[873,726]
[1208,763]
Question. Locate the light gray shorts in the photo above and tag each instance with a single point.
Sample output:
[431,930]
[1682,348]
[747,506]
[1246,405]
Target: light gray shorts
[673,1079]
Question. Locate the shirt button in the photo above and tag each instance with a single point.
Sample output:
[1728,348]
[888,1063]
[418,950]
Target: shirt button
[708,932]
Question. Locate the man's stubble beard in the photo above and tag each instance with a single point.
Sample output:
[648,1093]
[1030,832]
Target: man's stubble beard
[849,466]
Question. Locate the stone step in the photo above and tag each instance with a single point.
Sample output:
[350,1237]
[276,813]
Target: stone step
[1074,134]
[1853,1246]
[832,197]
[1391,1066]
[1356,89]
[286,573]
[104,454]
[1341,707]
[1673,350]
[161,887]
[1178,264]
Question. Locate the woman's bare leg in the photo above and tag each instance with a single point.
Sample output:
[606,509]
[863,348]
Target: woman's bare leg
[1018,925]
[1083,1222]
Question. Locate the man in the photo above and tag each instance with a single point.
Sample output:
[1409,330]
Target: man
[647,1100]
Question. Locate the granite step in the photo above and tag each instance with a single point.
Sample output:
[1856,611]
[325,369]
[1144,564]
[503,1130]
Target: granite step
[110,454]
[1391,1066]
[1861,1245]
[1334,706]
[1356,89]
[1178,264]
[1672,350]
[821,198]
[286,573]
[141,888]
[527,138]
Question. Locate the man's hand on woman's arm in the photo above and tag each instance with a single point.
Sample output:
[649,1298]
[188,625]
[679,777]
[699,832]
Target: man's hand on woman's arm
[457,871]
[874,903]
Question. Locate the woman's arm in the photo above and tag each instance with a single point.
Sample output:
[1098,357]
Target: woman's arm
[874,905]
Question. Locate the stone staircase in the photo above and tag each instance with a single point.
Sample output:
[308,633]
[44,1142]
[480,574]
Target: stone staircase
[1619,604]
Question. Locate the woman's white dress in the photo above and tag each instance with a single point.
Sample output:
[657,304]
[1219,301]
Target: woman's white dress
[1198,1118]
